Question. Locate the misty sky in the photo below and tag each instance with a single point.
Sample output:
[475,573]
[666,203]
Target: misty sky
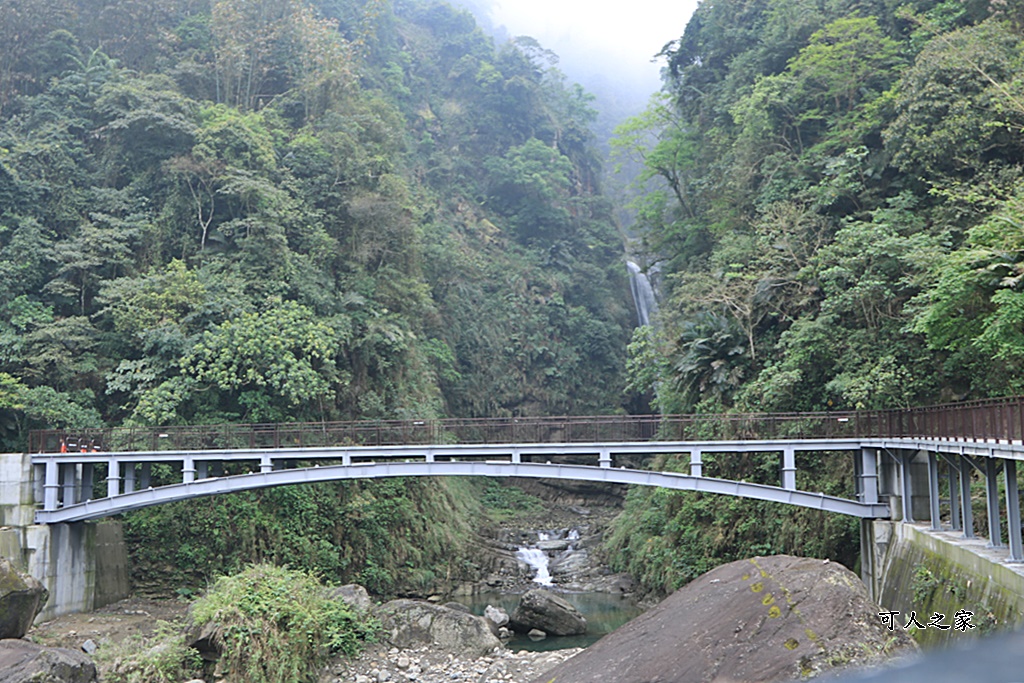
[614,40]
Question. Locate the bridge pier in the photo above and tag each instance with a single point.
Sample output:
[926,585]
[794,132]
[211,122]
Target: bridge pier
[84,565]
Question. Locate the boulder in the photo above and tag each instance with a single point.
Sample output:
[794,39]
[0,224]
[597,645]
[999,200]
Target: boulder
[25,662]
[496,615]
[21,599]
[414,623]
[570,563]
[353,595]
[543,610]
[764,619]
[553,545]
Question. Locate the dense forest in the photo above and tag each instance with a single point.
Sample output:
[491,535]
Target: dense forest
[270,210]
[835,208]
[267,211]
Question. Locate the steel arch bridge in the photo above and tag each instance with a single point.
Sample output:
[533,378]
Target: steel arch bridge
[897,458]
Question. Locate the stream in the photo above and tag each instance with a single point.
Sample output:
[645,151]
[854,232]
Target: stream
[605,612]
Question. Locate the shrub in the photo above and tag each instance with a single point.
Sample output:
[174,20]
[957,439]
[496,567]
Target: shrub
[276,625]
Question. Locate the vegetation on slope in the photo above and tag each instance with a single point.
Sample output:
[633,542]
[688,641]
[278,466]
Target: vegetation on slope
[273,210]
[834,202]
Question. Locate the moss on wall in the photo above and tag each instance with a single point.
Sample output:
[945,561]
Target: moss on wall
[928,574]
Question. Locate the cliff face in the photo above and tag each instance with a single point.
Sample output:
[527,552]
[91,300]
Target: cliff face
[763,619]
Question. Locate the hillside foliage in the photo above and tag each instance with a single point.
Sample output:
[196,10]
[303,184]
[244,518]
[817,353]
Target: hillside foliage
[257,211]
[833,198]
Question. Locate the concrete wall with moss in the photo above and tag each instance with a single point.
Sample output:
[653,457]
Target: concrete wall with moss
[925,572]
[83,565]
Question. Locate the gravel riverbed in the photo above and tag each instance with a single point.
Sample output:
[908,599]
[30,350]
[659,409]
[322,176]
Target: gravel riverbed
[381,665]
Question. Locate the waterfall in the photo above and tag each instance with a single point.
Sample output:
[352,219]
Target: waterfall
[538,560]
[643,294]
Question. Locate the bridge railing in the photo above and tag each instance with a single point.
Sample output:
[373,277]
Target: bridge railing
[996,420]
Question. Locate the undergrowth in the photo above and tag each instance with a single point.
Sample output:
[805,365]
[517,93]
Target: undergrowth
[163,657]
[275,625]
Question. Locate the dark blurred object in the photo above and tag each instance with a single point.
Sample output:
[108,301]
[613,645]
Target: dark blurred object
[994,659]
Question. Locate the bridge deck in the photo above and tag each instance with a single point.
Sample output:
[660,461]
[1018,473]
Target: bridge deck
[888,447]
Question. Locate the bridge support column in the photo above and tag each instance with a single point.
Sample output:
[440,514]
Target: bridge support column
[145,469]
[1013,510]
[51,489]
[517,457]
[266,464]
[867,471]
[88,472]
[188,470]
[952,469]
[789,468]
[696,466]
[113,477]
[70,472]
[605,459]
[933,492]
[965,496]
[908,490]
[202,469]
[995,534]
[129,477]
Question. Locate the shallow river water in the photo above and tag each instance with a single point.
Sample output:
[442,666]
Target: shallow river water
[604,612]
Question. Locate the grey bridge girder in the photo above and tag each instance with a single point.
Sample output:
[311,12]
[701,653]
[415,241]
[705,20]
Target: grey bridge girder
[68,476]
[103,507]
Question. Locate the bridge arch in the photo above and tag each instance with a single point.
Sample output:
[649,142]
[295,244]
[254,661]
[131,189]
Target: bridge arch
[103,507]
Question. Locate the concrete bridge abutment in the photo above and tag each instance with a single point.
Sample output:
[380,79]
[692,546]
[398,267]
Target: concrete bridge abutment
[84,565]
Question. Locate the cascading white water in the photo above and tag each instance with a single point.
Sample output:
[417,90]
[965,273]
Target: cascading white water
[538,560]
[643,294]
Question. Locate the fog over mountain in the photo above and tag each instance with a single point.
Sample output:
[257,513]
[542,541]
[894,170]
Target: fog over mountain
[608,48]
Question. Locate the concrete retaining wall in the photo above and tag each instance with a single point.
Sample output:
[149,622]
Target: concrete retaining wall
[84,565]
[927,572]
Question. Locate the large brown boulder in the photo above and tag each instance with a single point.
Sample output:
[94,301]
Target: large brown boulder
[545,611]
[25,662]
[765,619]
[414,623]
[21,598]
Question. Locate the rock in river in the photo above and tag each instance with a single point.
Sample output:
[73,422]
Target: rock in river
[412,623]
[543,610]
[764,619]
